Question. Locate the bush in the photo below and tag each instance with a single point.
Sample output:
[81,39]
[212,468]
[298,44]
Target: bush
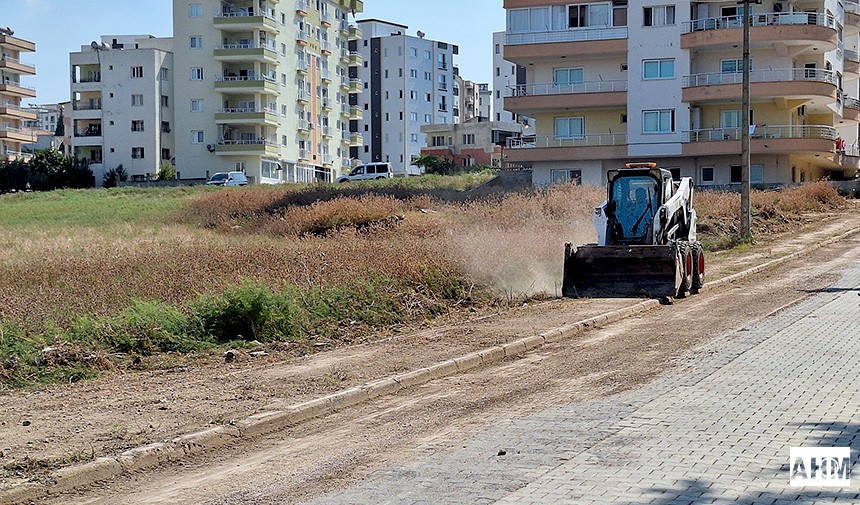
[113,176]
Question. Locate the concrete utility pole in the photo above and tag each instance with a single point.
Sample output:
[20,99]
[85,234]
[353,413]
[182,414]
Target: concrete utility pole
[745,129]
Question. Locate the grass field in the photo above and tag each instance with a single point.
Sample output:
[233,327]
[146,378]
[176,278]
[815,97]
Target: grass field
[95,280]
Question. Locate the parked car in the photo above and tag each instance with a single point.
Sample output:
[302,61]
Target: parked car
[228,179]
[368,171]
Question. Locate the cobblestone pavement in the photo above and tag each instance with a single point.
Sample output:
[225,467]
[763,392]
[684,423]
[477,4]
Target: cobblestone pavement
[717,432]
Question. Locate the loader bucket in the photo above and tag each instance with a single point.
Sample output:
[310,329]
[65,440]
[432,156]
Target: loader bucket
[649,271]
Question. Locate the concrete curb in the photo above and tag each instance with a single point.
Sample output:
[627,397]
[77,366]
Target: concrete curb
[262,423]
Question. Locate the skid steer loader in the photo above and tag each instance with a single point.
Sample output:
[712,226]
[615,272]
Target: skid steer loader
[646,240]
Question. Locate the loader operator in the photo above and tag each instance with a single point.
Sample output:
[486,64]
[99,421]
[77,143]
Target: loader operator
[636,216]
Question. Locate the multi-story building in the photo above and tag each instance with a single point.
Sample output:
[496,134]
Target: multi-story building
[485,101]
[610,82]
[48,116]
[476,141]
[122,104]
[468,99]
[506,76]
[262,87]
[12,90]
[408,81]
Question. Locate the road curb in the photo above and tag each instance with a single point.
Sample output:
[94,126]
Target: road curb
[262,423]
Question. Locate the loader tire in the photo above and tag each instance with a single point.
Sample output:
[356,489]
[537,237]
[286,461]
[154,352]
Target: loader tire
[686,257]
[698,268]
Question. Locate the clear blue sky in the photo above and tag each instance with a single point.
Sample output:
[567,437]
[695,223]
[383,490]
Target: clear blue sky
[59,27]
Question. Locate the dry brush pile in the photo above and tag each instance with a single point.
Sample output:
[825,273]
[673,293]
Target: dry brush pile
[290,263]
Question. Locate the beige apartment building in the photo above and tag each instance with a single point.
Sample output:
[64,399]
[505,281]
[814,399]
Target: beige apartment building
[618,81]
[263,87]
[12,90]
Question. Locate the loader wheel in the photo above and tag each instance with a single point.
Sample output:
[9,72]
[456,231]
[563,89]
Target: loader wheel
[686,270]
[698,268]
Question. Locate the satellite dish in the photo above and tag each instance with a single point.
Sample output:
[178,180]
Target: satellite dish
[7,31]
[420,34]
[94,45]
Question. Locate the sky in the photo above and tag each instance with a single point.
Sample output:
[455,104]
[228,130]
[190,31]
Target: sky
[60,27]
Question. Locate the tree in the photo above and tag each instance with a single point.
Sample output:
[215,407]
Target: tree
[13,176]
[61,128]
[79,174]
[433,164]
[167,172]
[48,169]
[113,176]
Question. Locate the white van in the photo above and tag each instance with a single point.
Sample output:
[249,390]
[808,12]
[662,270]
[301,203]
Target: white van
[368,171]
[228,179]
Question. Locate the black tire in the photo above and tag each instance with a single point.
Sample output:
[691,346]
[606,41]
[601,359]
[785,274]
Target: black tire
[698,268]
[686,266]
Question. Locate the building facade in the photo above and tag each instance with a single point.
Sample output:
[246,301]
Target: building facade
[506,76]
[13,89]
[611,82]
[122,104]
[48,117]
[477,141]
[263,86]
[407,81]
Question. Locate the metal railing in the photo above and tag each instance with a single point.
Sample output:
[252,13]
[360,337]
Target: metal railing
[245,46]
[251,142]
[326,130]
[550,88]
[764,131]
[575,35]
[18,85]
[8,58]
[96,105]
[852,55]
[769,75]
[303,5]
[850,102]
[241,13]
[588,140]
[242,78]
[768,19]
[12,129]
[852,7]
[242,110]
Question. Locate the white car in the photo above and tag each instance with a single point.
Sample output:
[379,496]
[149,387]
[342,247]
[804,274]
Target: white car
[228,179]
[367,172]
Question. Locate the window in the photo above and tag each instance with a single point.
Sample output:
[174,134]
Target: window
[733,66]
[413,137]
[567,76]
[623,118]
[735,176]
[569,127]
[413,116]
[565,177]
[658,121]
[730,119]
[428,76]
[195,10]
[756,173]
[659,15]
[136,72]
[428,97]
[163,73]
[165,101]
[469,139]
[137,153]
[197,74]
[196,42]
[136,100]
[197,137]
[165,126]
[658,69]
[413,73]
[707,174]
[582,15]
[428,118]
[137,126]
[165,154]
[413,52]
[497,49]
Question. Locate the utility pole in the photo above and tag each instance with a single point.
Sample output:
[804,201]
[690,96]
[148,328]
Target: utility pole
[745,129]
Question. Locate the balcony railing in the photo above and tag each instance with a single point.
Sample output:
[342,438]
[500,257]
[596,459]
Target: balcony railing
[770,132]
[11,129]
[16,60]
[769,75]
[852,7]
[235,78]
[852,55]
[576,35]
[18,84]
[550,88]
[242,110]
[245,46]
[242,13]
[589,140]
[95,105]
[251,142]
[771,19]
[850,102]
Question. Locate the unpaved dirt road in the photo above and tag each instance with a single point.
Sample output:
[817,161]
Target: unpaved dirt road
[326,454]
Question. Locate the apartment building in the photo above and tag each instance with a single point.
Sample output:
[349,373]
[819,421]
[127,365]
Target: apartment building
[408,81]
[469,100]
[485,100]
[611,82]
[122,104]
[477,141]
[12,90]
[263,87]
[506,76]
[48,116]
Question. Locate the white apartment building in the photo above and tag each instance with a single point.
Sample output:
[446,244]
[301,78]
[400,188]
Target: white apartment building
[13,134]
[485,100]
[408,81]
[48,117]
[506,76]
[122,104]
[611,82]
[263,86]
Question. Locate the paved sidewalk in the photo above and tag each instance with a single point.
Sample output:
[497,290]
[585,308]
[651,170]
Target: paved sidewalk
[719,434]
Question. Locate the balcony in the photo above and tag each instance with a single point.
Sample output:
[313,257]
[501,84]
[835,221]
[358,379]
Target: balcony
[345,137]
[355,139]
[530,98]
[356,112]
[783,83]
[303,67]
[303,39]
[852,16]
[326,104]
[326,131]
[528,47]
[246,84]
[246,116]
[771,139]
[302,96]
[16,112]
[852,62]
[305,126]
[325,47]
[355,58]
[244,20]
[17,89]
[325,75]
[17,134]
[245,52]
[355,32]
[303,154]
[590,146]
[15,66]
[325,19]
[850,109]
[777,27]
[255,147]
[17,44]
[302,7]
[356,85]
[344,55]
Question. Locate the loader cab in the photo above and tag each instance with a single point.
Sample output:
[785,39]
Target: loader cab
[635,195]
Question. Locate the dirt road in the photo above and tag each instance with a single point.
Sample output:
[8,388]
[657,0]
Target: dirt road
[328,453]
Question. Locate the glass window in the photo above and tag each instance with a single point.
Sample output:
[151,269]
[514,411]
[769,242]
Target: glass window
[569,127]
[658,15]
[730,119]
[658,121]
[707,174]
[756,173]
[567,76]
[658,69]
[195,10]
